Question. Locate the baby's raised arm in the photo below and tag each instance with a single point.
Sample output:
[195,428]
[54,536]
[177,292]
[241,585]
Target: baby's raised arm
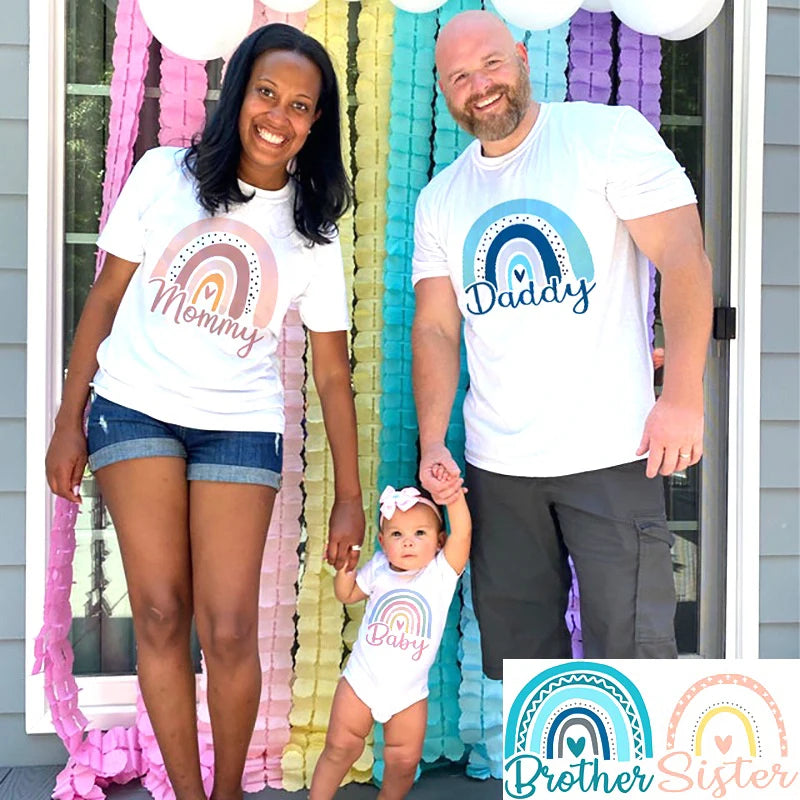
[456,548]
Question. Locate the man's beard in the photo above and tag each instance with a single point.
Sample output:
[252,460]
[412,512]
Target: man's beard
[495,125]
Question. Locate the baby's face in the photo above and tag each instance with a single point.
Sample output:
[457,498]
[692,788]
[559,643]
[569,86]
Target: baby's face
[411,539]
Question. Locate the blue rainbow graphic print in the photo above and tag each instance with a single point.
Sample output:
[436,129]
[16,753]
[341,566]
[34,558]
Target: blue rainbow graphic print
[582,710]
[526,252]
[403,610]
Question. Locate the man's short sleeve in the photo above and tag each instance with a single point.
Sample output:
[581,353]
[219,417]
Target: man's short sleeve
[323,304]
[123,234]
[430,258]
[644,176]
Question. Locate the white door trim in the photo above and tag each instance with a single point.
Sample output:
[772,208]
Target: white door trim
[749,69]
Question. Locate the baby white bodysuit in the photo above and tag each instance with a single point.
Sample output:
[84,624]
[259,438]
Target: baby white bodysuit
[400,633]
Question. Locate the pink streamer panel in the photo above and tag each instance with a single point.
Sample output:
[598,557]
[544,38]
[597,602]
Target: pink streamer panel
[278,595]
[97,759]
[277,601]
[182,103]
[130,59]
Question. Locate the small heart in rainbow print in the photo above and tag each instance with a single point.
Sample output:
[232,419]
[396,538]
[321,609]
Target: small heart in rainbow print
[519,274]
[209,292]
[723,744]
[576,745]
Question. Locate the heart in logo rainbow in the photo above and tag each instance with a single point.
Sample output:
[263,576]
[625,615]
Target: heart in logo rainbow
[403,610]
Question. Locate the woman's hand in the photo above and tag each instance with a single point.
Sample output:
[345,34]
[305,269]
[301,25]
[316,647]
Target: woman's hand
[346,530]
[65,462]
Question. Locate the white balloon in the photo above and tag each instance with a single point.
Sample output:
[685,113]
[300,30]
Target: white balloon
[596,5]
[660,17]
[198,29]
[536,15]
[703,19]
[289,6]
[418,6]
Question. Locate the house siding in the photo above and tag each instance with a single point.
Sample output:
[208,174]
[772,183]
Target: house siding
[780,343]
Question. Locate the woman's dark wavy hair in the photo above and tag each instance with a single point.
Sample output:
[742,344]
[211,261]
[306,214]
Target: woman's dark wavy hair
[322,190]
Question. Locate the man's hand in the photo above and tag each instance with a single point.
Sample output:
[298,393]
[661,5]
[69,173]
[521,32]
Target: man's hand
[439,474]
[346,531]
[673,435]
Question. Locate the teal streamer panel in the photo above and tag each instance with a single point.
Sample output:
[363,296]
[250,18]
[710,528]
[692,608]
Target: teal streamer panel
[449,142]
[409,169]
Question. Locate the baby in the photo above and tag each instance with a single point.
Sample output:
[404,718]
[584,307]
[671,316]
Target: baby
[408,586]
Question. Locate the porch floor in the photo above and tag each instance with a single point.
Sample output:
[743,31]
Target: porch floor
[36,783]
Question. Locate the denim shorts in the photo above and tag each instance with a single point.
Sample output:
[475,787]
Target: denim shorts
[117,433]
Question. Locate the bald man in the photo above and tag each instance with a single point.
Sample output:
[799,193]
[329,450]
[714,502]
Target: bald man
[538,237]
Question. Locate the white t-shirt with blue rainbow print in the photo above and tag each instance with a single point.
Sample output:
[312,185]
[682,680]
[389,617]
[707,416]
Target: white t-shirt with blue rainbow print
[400,632]
[553,290]
[195,339]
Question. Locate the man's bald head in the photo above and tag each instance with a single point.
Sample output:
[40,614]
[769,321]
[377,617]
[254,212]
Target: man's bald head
[484,77]
[466,30]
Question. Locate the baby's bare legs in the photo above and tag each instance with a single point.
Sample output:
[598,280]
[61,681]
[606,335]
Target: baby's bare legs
[351,721]
[404,735]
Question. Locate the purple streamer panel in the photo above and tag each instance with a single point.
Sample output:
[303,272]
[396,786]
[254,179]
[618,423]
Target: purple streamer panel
[640,73]
[590,57]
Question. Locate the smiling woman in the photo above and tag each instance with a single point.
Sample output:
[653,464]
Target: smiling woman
[279,112]
[207,248]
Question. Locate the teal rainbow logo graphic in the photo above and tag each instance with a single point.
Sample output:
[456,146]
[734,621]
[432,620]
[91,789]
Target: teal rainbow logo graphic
[405,611]
[580,710]
[526,252]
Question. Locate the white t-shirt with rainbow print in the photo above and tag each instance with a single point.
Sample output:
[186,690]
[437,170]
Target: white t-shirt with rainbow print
[400,632]
[553,291]
[195,339]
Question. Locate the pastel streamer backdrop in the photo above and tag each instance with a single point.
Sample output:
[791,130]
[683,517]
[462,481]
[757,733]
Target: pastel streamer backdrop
[399,138]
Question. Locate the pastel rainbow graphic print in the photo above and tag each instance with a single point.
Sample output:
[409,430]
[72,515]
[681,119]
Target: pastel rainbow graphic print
[225,267]
[525,240]
[403,610]
[583,710]
[728,716]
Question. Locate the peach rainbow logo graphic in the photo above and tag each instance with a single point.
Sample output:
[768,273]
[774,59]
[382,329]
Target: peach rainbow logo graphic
[727,734]
[728,715]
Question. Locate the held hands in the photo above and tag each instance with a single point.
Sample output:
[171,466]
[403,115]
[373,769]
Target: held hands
[346,534]
[65,462]
[440,475]
[673,435]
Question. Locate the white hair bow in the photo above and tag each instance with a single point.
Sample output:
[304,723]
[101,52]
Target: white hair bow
[392,499]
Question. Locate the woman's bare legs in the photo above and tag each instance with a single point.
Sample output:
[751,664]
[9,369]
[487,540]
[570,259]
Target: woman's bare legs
[404,735]
[350,722]
[228,524]
[147,498]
